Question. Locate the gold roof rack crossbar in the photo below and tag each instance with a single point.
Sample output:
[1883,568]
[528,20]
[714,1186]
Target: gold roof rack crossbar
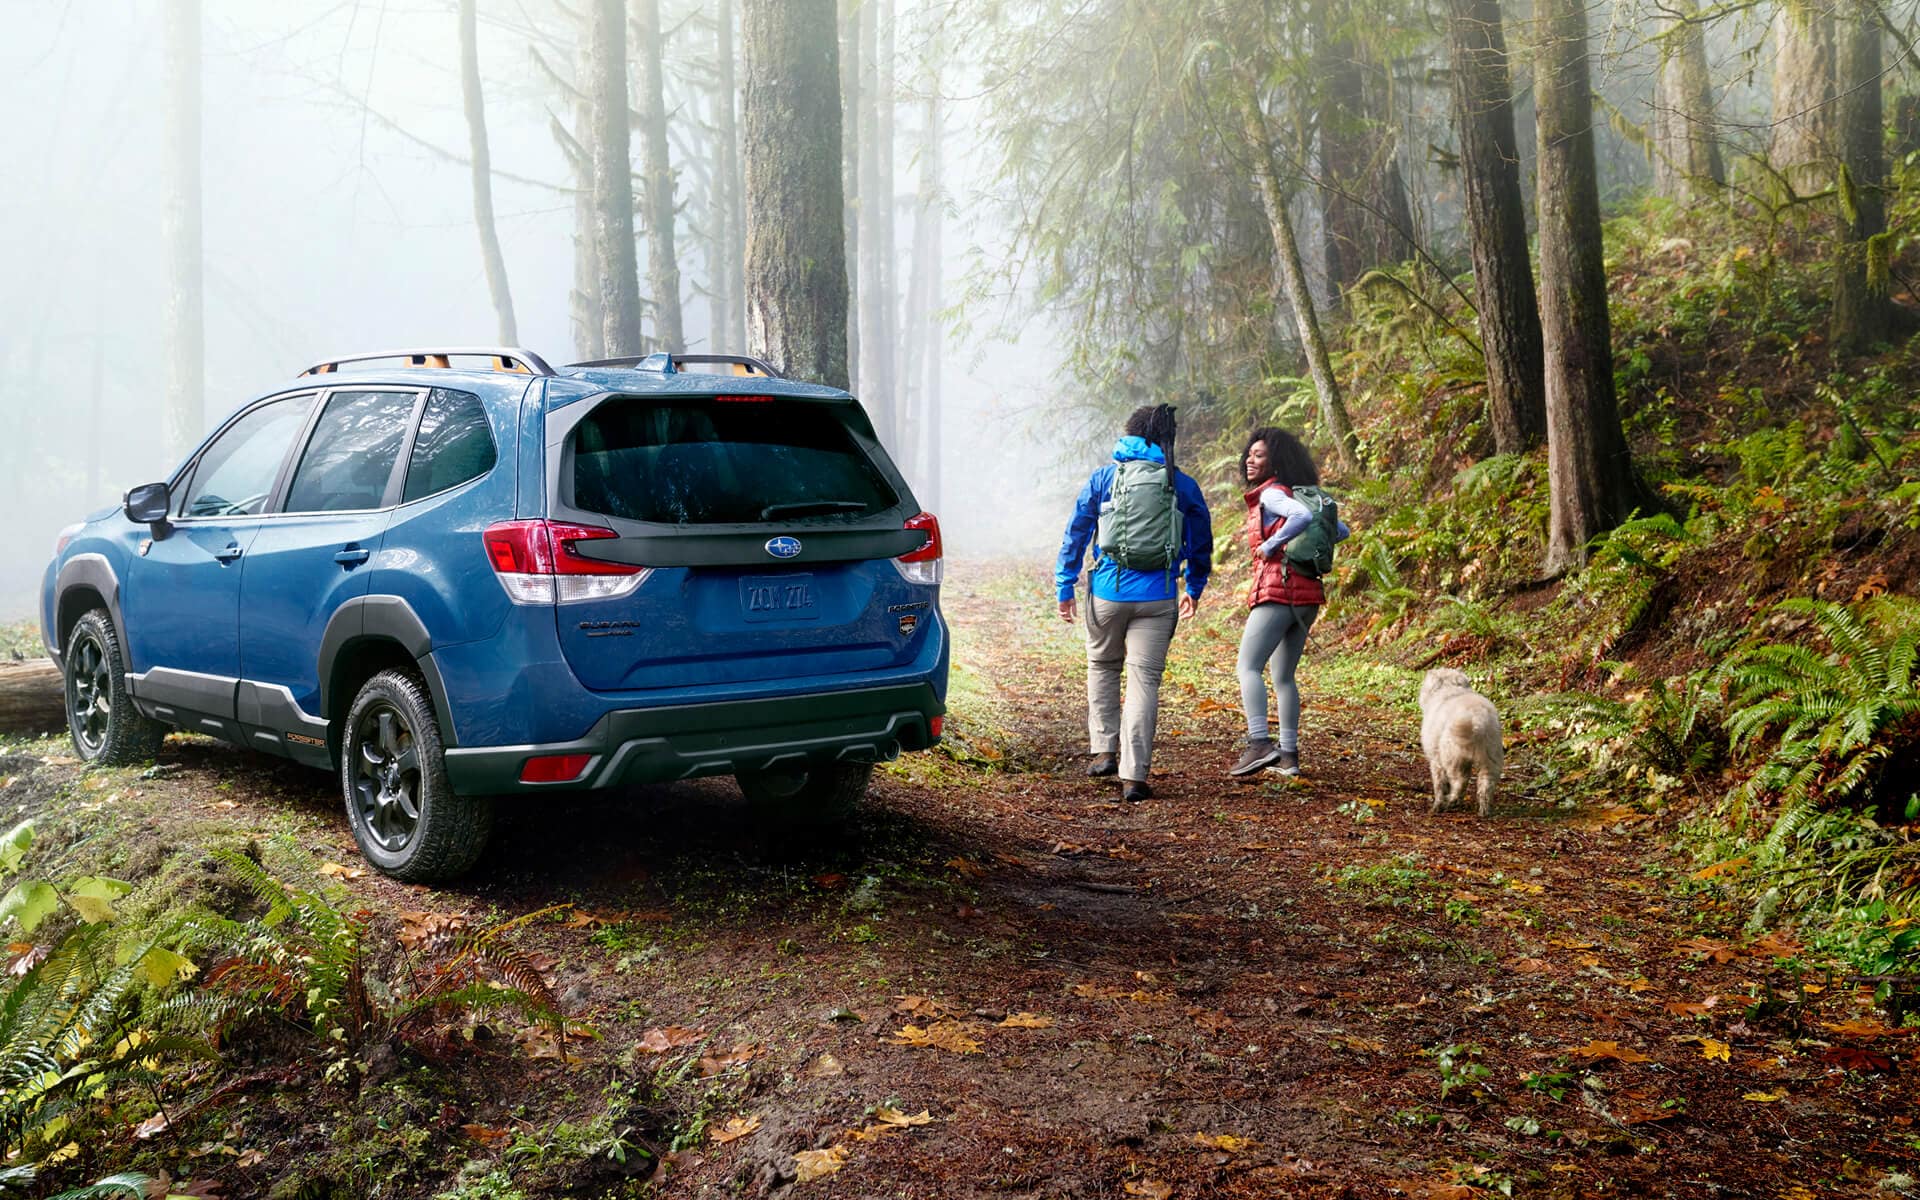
[511,359]
[670,364]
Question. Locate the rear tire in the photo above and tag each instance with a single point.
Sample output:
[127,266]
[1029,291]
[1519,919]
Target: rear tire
[797,799]
[393,775]
[101,718]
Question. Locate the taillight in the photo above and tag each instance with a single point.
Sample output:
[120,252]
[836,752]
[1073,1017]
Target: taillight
[924,565]
[537,563]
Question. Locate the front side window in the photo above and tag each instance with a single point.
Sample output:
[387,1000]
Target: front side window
[725,461]
[454,444]
[235,475]
[350,456]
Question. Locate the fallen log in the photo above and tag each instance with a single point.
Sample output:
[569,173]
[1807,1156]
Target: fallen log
[33,698]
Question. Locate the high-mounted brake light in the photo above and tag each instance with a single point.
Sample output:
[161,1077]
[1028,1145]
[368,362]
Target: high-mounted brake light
[537,562]
[927,564]
[744,399]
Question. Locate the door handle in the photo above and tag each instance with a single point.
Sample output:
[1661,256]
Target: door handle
[353,556]
[227,555]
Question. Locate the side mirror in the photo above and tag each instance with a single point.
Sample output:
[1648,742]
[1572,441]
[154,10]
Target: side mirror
[147,504]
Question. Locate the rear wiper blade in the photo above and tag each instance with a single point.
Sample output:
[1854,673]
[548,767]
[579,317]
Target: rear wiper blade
[773,510]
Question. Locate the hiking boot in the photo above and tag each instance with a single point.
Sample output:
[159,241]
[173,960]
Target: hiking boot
[1134,791]
[1104,764]
[1287,762]
[1260,752]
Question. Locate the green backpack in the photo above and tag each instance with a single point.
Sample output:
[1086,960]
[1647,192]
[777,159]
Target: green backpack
[1310,551]
[1140,524]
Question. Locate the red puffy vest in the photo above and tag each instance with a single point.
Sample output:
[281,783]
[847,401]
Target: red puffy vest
[1275,581]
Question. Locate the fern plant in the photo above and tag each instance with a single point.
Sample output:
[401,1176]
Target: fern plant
[1834,720]
[306,961]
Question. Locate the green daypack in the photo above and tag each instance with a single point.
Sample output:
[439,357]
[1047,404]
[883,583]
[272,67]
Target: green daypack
[1140,524]
[1310,551]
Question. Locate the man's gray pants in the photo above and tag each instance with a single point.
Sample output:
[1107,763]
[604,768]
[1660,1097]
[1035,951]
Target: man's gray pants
[1136,633]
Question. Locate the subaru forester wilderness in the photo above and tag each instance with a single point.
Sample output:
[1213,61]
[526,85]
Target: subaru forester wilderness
[451,583]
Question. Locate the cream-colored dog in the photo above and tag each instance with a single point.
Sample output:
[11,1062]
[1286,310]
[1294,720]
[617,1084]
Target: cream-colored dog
[1460,732]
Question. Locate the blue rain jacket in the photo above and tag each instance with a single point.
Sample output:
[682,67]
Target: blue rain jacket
[1110,580]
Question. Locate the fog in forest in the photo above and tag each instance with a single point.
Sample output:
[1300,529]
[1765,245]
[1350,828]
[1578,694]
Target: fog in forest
[339,217]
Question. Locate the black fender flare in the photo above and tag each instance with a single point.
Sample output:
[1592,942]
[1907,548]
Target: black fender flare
[86,570]
[383,619]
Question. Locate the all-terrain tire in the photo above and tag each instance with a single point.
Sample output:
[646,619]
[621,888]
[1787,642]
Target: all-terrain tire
[782,800]
[393,777]
[101,718]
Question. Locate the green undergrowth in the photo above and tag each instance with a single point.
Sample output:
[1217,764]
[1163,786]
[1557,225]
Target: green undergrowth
[1736,652]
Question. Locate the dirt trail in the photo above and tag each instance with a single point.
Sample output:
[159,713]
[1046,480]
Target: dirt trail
[1340,994]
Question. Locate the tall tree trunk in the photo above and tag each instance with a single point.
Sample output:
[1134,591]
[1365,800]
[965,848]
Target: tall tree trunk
[876,352]
[932,262]
[1804,120]
[1589,480]
[1363,200]
[589,330]
[1862,311]
[887,281]
[796,259]
[183,316]
[1497,228]
[728,133]
[849,26]
[656,172]
[722,301]
[1686,150]
[616,272]
[1286,254]
[479,154]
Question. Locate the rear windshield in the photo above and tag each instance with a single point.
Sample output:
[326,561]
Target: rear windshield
[713,462]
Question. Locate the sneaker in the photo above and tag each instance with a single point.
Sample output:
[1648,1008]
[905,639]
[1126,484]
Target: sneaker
[1133,791]
[1260,752]
[1104,764]
[1287,762]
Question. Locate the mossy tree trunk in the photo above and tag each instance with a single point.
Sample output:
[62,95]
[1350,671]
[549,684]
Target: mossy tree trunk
[1805,120]
[616,269]
[1497,228]
[1862,310]
[480,155]
[1686,148]
[796,282]
[1590,481]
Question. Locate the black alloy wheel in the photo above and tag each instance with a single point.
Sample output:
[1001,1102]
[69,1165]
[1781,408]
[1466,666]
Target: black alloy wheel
[386,777]
[89,693]
[101,717]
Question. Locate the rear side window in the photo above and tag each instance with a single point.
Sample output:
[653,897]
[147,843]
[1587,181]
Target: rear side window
[235,475]
[454,444]
[712,462]
[350,457]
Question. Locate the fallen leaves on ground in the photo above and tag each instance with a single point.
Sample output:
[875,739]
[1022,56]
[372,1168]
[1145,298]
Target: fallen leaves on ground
[1597,1051]
[1222,1141]
[888,1115]
[1096,991]
[581,918]
[1764,1097]
[1688,1008]
[942,1035]
[486,1135]
[1152,1189]
[927,1009]
[735,1129]
[419,928]
[341,872]
[825,1067]
[810,1165]
[1712,951]
[1775,945]
[965,866]
[1212,1022]
[670,1037]
[1861,1027]
[1027,1020]
[714,1064]
[1856,1058]
[1722,868]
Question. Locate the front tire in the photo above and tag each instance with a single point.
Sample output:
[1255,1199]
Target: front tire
[101,717]
[796,799]
[393,774]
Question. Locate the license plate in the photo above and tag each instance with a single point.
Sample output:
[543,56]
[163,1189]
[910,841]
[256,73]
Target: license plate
[778,598]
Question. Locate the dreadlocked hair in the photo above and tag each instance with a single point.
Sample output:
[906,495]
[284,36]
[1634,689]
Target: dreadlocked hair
[1289,462]
[1154,423]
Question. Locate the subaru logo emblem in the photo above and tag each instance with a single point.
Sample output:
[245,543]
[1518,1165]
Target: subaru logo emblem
[784,547]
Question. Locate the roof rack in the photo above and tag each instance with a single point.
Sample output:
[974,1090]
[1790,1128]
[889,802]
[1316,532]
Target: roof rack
[511,359]
[670,364]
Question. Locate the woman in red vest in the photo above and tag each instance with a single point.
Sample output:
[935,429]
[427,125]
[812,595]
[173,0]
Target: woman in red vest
[1284,600]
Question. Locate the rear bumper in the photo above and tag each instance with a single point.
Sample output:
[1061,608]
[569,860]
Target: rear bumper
[656,745]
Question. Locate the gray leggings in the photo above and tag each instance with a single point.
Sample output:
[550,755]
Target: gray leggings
[1275,635]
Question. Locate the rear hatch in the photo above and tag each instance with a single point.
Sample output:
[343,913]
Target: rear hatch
[766,527]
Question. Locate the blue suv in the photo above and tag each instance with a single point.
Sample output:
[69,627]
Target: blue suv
[448,583]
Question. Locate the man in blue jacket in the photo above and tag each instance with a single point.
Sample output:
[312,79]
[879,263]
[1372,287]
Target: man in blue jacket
[1131,613]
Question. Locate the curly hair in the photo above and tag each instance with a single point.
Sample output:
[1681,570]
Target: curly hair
[1154,423]
[1289,462]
